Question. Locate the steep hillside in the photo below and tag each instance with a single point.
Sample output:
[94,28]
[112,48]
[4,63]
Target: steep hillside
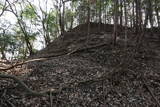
[78,38]
[87,71]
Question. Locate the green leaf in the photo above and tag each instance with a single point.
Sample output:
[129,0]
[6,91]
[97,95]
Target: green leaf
[29,12]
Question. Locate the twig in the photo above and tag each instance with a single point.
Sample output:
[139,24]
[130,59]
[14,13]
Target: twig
[64,86]
[11,104]
[51,99]
[148,88]
[54,91]
[3,9]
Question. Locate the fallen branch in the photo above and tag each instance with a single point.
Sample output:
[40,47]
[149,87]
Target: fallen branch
[21,63]
[51,56]
[67,85]
[64,86]
[86,48]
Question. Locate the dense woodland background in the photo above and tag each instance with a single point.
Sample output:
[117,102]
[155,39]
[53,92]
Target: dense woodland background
[80,53]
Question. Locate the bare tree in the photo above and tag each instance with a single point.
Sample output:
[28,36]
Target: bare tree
[3,8]
[44,23]
[22,26]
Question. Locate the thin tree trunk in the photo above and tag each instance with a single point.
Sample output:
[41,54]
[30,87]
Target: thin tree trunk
[150,11]
[46,35]
[121,12]
[3,55]
[158,19]
[126,22]
[115,22]
[149,15]
[157,13]
[133,14]
[29,46]
[100,14]
[88,18]
[146,19]
[22,27]
[140,29]
[137,16]
[63,17]
[71,25]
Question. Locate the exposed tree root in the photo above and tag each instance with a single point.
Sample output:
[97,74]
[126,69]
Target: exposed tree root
[64,86]
[28,90]
[47,92]
[52,56]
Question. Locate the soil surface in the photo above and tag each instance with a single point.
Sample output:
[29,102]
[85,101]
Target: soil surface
[89,72]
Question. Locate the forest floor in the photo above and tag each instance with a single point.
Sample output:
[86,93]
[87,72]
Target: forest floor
[87,71]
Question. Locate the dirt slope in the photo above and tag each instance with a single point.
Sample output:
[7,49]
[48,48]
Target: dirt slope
[93,74]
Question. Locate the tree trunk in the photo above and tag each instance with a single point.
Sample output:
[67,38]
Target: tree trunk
[133,14]
[121,13]
[139,30]
[149,14]
[22,27]
[146,19]
[71,25]
[105,16]
[61,16]
[3,55]
[138,16]
[100,14]
[46,35]
[29,46]
[157,12]
[88,18]
[115,22]
[126,22]
[150,11]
